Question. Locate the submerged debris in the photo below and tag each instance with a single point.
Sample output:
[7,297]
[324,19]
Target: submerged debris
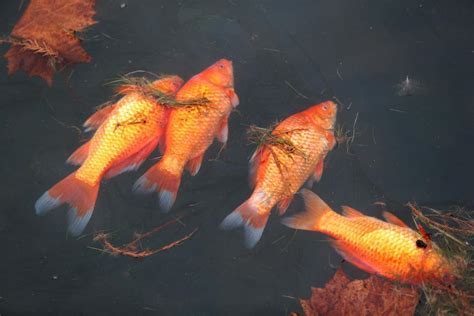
[266,137]
[131,249]
[127,84]
[269,139]
[372,296]
[345,136]
[453,231]
[408,87]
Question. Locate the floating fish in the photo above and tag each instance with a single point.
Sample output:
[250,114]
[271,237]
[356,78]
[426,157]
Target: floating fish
[191,130]
[127,133]
[279,169]
[390,249]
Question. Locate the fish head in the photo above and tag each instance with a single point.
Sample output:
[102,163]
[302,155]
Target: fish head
[438,268]
[323,114]
[169,84]
[221,73]
[434,266]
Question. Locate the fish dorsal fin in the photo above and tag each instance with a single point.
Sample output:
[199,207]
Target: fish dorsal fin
[392,219]
[350,212]
[314,216]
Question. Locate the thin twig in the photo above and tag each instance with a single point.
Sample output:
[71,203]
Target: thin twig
[296,91]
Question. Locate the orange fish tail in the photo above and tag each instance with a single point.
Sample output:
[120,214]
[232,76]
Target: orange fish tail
[314,218]
[251,218]
[162,179]
[79,195]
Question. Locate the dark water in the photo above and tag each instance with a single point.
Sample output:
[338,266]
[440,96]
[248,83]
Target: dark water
[407,148]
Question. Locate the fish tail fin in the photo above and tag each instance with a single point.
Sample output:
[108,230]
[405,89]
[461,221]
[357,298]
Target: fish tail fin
[162,179]
[315,215]
[249,216]
[80,196]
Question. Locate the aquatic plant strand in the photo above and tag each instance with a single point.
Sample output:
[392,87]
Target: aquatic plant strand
[142,85]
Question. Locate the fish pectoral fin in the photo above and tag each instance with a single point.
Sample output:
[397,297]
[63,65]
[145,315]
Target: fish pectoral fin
[133,162]
[194,164]
[351,212]
[344,251]
[389,217]
[223,131]
[331,139]
[80,155]
[318,173]
[234,98]
[96,119]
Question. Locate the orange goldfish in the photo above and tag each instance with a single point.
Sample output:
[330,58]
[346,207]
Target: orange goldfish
[191,130]
[277,173]
[390,249]
[128,132]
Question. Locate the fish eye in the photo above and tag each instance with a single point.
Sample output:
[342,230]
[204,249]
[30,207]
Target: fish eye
[421,244]
[325,107]
[221,66]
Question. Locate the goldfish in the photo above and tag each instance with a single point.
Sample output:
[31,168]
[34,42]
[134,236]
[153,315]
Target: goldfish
[278,172]
[191,130]
[390,249]
[127,132]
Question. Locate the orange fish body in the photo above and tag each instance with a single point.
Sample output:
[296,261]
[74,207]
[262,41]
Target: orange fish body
[277,173]
[127,133]
[191,130]
[390,249]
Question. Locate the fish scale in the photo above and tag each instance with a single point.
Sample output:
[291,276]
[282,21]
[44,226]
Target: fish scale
[136,120]
[196,121]
[378,244]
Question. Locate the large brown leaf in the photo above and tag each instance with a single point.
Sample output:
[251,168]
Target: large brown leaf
[43,40]
[372,296]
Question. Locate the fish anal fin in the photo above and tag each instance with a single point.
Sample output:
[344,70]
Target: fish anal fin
[133,162]
[283,205]
[194,164]
[223,131]
[309,183]
[80,155]
[351,212]
[256,160]
[345,251]
[318,172]
[96,119]
[389,217]
[162,143]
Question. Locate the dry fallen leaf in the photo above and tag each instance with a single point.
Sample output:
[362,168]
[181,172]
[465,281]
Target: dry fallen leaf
[44,40]
[372,296]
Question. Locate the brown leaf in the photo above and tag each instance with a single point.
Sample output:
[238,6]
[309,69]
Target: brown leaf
[43,40]
[372,296]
